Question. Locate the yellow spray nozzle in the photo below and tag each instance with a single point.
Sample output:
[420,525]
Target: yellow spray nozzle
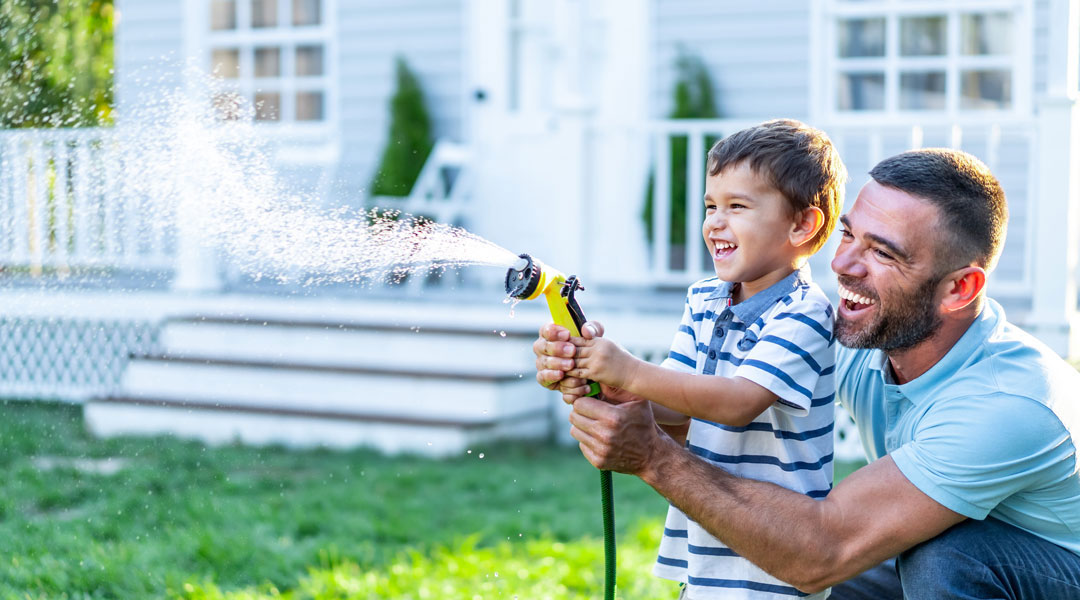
[528,279]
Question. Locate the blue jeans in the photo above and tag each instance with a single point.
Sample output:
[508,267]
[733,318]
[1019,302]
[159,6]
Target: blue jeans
[974,559]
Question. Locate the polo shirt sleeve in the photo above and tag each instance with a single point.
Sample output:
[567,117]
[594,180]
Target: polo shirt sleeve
[794,349]
[683,353]
[970,453]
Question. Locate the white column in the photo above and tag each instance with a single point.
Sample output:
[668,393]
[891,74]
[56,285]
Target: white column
[197,270]
[616,60]
[1057,200]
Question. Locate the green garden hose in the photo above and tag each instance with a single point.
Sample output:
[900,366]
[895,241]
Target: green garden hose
[527,279]
[608,508]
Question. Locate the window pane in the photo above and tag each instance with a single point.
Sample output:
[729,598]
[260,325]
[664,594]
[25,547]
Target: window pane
[222,14]
[229,106]
[225,62]
[922,36]
[309,60]
[267,106]
[309,106]
[986,34]
[263,13]
[922,91]
[861,37]
[268,62]
[861,91]
[986,89]
[306,12]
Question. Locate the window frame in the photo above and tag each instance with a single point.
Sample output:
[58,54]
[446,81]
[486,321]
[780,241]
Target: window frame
[827,66]
[288,38]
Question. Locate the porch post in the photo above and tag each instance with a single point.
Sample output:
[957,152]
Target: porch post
[1056,245]
[196,266]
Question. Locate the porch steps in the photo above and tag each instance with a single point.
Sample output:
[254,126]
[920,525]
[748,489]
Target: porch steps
[435,390]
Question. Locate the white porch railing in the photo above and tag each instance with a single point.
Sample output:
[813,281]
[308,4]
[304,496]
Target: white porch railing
[64,205]
[1008,146]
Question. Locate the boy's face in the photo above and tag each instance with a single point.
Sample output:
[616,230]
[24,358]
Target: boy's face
[747,229]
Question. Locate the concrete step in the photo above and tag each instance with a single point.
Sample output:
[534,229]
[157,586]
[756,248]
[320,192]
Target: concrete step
[223,424]
[318,342]
[457,396]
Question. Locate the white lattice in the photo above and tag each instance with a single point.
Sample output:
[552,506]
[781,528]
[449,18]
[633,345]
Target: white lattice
[68,359]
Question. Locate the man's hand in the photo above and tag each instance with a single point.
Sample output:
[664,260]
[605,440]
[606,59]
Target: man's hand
[554,355]
[615,437]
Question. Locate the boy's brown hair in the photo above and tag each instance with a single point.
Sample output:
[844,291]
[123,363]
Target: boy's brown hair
[796,159]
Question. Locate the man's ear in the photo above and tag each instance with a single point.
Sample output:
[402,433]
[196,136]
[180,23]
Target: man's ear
[963,287]
[806,226]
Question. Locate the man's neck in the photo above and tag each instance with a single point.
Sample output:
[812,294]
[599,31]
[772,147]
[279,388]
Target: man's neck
[910,363]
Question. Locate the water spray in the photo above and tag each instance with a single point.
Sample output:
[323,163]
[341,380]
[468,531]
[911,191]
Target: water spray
[528,279]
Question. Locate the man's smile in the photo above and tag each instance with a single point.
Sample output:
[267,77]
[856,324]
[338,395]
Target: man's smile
[853,303]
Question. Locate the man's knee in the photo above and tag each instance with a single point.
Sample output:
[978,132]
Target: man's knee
[950,566]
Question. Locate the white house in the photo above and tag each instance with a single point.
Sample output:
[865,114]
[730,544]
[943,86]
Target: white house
[558,111]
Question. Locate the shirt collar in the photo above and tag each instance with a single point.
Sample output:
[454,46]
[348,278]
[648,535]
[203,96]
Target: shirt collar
[753,307]
[918,389]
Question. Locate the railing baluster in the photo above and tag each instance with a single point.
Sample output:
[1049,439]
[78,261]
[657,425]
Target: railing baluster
[82,223]
[39,206]
[662,204]
[20,199]
[695,173]
[61,202]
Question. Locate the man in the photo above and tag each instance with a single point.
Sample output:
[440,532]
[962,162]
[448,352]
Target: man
[969,423]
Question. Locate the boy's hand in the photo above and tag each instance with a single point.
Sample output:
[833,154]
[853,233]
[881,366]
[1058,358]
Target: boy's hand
[599,359]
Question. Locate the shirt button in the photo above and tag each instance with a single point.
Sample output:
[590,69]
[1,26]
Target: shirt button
[712,354]
[719,332]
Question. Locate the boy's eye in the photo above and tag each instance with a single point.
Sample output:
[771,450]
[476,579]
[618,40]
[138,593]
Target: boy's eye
[737,205]
[844,231]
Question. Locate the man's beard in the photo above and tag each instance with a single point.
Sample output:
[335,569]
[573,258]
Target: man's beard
[909,320]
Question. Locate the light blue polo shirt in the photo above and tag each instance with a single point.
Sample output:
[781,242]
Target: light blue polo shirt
[988,431]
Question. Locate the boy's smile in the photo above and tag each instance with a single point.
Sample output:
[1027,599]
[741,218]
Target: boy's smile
[746,229]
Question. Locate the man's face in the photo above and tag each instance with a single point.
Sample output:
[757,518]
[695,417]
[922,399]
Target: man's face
[886,267]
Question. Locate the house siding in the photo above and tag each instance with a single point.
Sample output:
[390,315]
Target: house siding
[149,49]
[429,34]
[756,53]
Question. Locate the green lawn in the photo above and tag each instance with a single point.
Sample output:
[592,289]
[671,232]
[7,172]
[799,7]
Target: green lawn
[179,520]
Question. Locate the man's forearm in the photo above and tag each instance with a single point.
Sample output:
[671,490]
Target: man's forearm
[781,531]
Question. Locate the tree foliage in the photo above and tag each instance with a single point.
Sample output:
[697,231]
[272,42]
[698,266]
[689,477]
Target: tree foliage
[409,141]
[693,99]
[57,63]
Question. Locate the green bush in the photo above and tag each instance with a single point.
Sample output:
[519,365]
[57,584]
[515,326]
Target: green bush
[58,63]
[693,99]
[409,141]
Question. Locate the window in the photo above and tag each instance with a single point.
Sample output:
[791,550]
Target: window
[271,53]
[914,56]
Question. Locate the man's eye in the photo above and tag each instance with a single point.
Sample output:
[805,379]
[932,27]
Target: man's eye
[845,232]
[883,254]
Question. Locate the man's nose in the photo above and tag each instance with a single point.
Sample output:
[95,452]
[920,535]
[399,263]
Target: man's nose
[847,261]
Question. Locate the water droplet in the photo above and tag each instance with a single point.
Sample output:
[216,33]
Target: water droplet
[502,334]
[481,455]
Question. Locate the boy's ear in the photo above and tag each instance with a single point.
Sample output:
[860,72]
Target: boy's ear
[806,226]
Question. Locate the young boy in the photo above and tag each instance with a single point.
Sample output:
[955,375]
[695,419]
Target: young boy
[752,363]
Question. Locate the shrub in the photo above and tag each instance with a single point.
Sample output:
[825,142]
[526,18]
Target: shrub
[693,100]
[409,141]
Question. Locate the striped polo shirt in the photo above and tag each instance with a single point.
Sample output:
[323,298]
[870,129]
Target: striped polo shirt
[780,338]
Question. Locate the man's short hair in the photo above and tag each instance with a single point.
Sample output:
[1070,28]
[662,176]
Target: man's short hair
[796,159]
[974,213]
